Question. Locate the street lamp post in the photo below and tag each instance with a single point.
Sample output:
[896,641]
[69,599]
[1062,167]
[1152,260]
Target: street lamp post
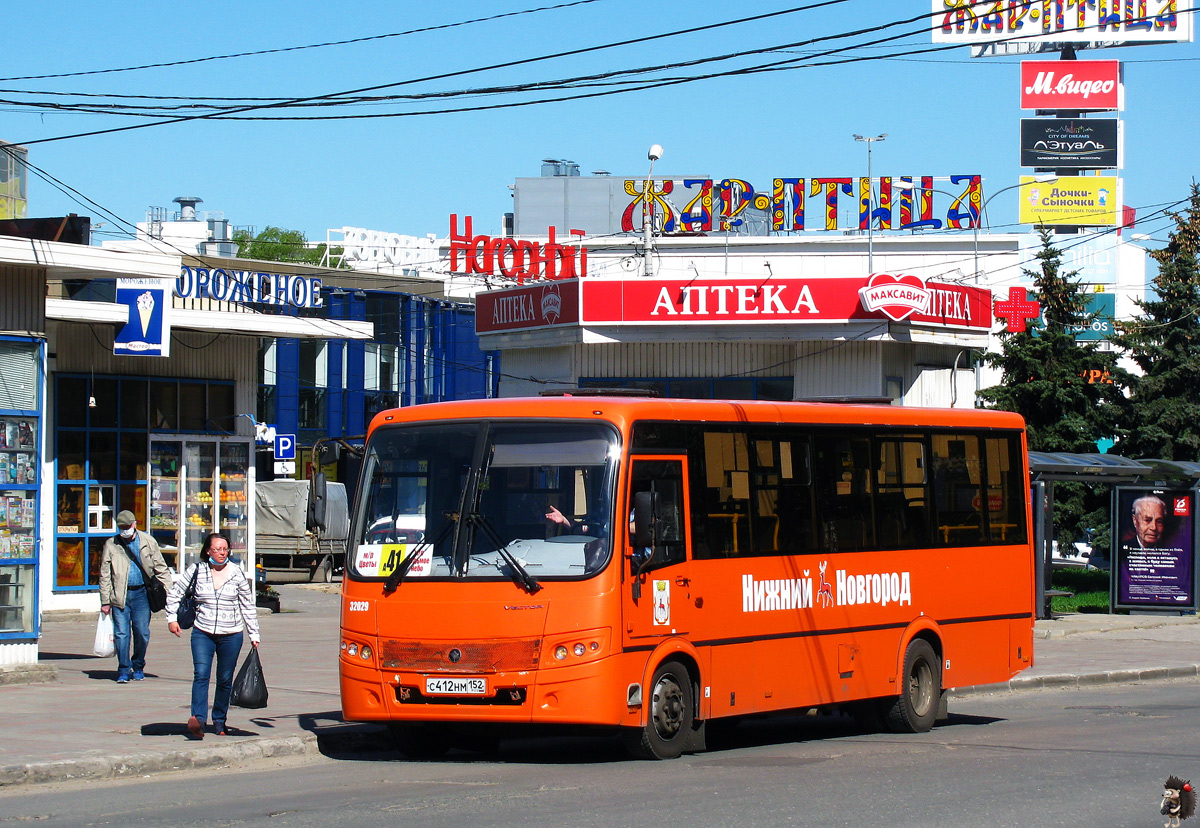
[870,208]
[1037,179]
[654,154]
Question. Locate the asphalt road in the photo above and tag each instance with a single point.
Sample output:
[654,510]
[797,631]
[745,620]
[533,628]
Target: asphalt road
[1094,757]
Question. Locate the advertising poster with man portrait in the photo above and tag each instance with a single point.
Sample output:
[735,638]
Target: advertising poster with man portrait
[1155,540]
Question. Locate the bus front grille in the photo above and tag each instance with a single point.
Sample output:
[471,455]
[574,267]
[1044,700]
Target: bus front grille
[471,657]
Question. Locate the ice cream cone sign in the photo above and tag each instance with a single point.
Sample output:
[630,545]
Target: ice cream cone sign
[145,307]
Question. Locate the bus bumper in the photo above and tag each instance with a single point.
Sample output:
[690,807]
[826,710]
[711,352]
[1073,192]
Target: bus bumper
[594,693]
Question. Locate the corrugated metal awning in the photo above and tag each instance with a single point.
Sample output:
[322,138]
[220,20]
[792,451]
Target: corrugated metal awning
[237,324]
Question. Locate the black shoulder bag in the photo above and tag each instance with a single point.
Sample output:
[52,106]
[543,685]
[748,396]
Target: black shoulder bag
[185,615]
[156,593]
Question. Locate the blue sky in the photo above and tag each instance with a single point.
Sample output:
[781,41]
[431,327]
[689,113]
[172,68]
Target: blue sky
[945,113]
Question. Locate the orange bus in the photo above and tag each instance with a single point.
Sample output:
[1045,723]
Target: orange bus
[655,565]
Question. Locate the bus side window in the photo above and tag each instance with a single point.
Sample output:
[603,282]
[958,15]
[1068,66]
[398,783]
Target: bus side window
[900,499]
[843,489]
[781,501]
[1006,505]
[957,498]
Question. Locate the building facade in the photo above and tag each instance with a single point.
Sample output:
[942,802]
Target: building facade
[699,286]
[150,381]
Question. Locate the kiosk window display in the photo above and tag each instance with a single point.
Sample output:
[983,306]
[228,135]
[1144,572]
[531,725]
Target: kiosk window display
[198,486]
[20,461]
[18,522]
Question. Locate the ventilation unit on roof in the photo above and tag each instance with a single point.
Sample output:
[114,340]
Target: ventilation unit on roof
[187,207]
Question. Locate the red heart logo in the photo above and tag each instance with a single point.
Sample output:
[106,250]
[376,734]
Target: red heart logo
[896,296]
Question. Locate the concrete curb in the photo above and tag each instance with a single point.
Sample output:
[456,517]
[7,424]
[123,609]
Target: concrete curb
[141,764]
[1054,682]
[27,673]
[1107,624]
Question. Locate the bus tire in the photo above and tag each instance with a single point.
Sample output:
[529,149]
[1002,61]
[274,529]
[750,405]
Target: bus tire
[671,716]
[916,708]
[419,741]
[322,572]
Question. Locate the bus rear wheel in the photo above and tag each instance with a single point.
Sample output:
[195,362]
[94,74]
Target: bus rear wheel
[420,741]
[916,708]
[670,718]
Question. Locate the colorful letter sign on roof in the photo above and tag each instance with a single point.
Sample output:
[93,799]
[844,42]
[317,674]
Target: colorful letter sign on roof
[976,22]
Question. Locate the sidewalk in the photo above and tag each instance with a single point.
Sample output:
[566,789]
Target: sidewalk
[84,725]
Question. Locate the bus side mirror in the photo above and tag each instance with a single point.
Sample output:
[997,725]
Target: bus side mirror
[328,453]
[320,501]
[644,504]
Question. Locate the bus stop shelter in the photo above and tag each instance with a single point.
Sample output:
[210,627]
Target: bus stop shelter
[1047,468]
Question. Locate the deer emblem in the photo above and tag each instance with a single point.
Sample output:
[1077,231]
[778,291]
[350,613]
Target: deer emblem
[825,591]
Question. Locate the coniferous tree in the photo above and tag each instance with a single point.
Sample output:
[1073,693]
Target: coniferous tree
[1069,392]
[1163,419]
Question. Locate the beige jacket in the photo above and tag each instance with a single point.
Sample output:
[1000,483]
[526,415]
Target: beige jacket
[115,564]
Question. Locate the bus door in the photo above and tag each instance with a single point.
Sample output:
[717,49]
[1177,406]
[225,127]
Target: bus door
[656,578]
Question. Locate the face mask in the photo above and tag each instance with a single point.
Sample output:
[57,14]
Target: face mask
[128,534]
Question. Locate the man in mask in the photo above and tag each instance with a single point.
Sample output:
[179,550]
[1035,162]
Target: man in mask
[127,562]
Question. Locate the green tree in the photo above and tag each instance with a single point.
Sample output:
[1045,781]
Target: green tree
[1069,392]
[1163,419]
[277,245]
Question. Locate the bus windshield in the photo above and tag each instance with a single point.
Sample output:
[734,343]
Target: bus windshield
[470,499]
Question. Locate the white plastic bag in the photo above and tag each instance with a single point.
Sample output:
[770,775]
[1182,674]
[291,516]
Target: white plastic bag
[105,648]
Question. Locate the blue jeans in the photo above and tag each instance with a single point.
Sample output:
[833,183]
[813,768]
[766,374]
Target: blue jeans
[204,647]
[135,614]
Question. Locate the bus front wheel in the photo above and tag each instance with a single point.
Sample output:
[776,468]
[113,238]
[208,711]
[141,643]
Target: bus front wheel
[670,718]
[915,709]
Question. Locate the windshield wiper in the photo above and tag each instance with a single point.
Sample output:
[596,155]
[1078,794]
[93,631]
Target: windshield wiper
[398,574]
[519,574]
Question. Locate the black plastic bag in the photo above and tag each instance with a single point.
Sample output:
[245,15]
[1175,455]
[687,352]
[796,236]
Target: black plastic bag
[250,688]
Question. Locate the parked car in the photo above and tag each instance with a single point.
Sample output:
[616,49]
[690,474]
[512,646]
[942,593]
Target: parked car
[1080,554]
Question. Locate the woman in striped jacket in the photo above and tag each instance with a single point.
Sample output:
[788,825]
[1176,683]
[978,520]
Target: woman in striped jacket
[224,609]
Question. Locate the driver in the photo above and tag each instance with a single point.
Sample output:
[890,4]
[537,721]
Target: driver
[578,527]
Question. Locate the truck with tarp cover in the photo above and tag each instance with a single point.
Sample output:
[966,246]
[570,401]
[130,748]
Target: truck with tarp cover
[301,528]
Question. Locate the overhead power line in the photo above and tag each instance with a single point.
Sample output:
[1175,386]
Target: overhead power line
[446,75]
[282,49]
[615,80]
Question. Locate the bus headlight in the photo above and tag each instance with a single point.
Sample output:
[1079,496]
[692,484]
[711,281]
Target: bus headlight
[352,649]
[585,645]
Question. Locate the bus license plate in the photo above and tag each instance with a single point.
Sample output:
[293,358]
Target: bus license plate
[456,686]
